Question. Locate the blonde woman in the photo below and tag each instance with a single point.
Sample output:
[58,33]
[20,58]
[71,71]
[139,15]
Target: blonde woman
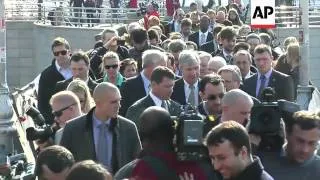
[111,65]
[81,89]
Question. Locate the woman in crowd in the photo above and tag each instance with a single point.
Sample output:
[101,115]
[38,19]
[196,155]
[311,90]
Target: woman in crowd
[282,62]
[234,17]
[128,68]
[111,65]
[293,59]
[81,89]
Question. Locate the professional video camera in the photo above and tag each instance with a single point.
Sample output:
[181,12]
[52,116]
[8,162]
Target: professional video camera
[189,135]
[44,132]
[266,119]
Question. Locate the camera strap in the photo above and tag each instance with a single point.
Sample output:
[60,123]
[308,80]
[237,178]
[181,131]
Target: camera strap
[160,168]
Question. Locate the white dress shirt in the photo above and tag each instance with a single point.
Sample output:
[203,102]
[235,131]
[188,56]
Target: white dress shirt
[66,73]
[187,92]
[155,99]
[146,82]
[205,37]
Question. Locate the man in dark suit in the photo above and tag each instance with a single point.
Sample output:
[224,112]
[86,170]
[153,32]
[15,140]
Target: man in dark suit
[79,64]
[140,43]
[213,45]
[203,35]
[137,87]
[228,38]
[57,71]
[162,81]
[186,89]
[243,60]
[268,77]
[102,135]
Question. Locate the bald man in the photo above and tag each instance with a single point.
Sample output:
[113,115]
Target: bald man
[102,135]
[236,106]
[65,106]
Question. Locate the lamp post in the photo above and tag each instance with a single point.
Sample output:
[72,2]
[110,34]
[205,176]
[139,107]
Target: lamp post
[7,130]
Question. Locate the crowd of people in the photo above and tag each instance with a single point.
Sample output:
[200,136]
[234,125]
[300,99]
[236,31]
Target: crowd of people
[113,104]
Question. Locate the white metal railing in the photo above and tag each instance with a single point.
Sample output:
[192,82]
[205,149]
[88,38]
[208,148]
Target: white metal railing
[58,14]
[73,16]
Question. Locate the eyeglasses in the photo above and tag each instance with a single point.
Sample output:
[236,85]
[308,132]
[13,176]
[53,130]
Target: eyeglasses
[60,112]
[63,52]
[213,97]
[115,66]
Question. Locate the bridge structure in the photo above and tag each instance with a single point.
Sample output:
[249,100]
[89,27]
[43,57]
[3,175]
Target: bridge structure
[31,26]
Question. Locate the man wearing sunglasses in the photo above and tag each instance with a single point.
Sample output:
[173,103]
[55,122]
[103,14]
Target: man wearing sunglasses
[102,135]
[212,90]
[58,70]
[110,40]
[65,106]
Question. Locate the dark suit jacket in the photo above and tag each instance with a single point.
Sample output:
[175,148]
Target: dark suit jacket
[219,52]
[137,55]
[48,79]
[131,91]
[178,94]
[139,106]
[281,83]
[62,85]
[79,139]
[194,37]
[209,47]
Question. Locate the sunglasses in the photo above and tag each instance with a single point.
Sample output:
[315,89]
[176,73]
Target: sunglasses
[213,97]
[63,52]
[60,112]
[115,66]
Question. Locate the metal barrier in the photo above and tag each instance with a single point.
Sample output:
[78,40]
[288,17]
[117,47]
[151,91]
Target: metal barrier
[59,13]
[73,16]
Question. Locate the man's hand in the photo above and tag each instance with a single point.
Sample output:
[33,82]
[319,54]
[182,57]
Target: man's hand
[111,43]
[186,176]
[255,139]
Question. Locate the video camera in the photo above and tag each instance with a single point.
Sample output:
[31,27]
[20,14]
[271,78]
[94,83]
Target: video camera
[44,132]
[266,119]
[189,135]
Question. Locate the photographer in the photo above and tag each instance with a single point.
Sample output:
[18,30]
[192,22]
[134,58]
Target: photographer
[111,42]
[65,106]
[158,159]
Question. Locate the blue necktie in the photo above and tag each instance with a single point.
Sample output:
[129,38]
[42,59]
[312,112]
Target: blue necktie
[262,85]
[102,152]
